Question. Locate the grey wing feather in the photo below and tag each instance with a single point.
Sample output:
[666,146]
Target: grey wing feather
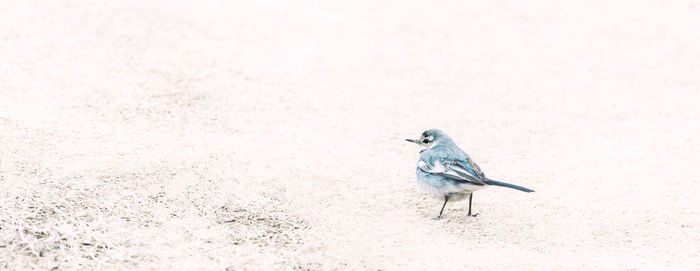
[476,169]
[454,170]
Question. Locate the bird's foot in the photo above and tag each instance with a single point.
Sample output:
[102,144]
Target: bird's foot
[474,215]
[437,217]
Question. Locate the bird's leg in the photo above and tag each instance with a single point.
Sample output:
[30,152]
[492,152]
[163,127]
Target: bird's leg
[470,205]
[443,207]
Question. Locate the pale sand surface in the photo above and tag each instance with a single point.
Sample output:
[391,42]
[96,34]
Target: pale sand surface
[212,135]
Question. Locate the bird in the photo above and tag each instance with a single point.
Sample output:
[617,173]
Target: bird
[446,172]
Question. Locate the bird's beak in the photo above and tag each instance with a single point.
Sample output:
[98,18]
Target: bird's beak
[413,140]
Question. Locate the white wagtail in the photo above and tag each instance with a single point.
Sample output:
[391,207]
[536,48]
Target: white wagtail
[446,172]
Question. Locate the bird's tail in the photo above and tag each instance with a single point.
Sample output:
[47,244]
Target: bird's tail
[497,183]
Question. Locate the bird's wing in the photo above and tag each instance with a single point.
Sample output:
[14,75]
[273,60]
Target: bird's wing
[475,168]
[458,170]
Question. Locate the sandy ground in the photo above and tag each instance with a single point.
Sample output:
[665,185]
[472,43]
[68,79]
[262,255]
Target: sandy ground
[269,135]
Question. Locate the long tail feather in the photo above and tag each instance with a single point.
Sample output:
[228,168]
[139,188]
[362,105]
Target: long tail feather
[494,182]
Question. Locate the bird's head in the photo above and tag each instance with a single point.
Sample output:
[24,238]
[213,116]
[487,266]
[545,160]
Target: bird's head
[431,138]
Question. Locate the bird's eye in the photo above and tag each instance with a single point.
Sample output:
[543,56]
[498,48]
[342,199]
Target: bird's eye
[426,141]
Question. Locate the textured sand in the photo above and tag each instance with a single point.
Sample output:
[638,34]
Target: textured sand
[213,135]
